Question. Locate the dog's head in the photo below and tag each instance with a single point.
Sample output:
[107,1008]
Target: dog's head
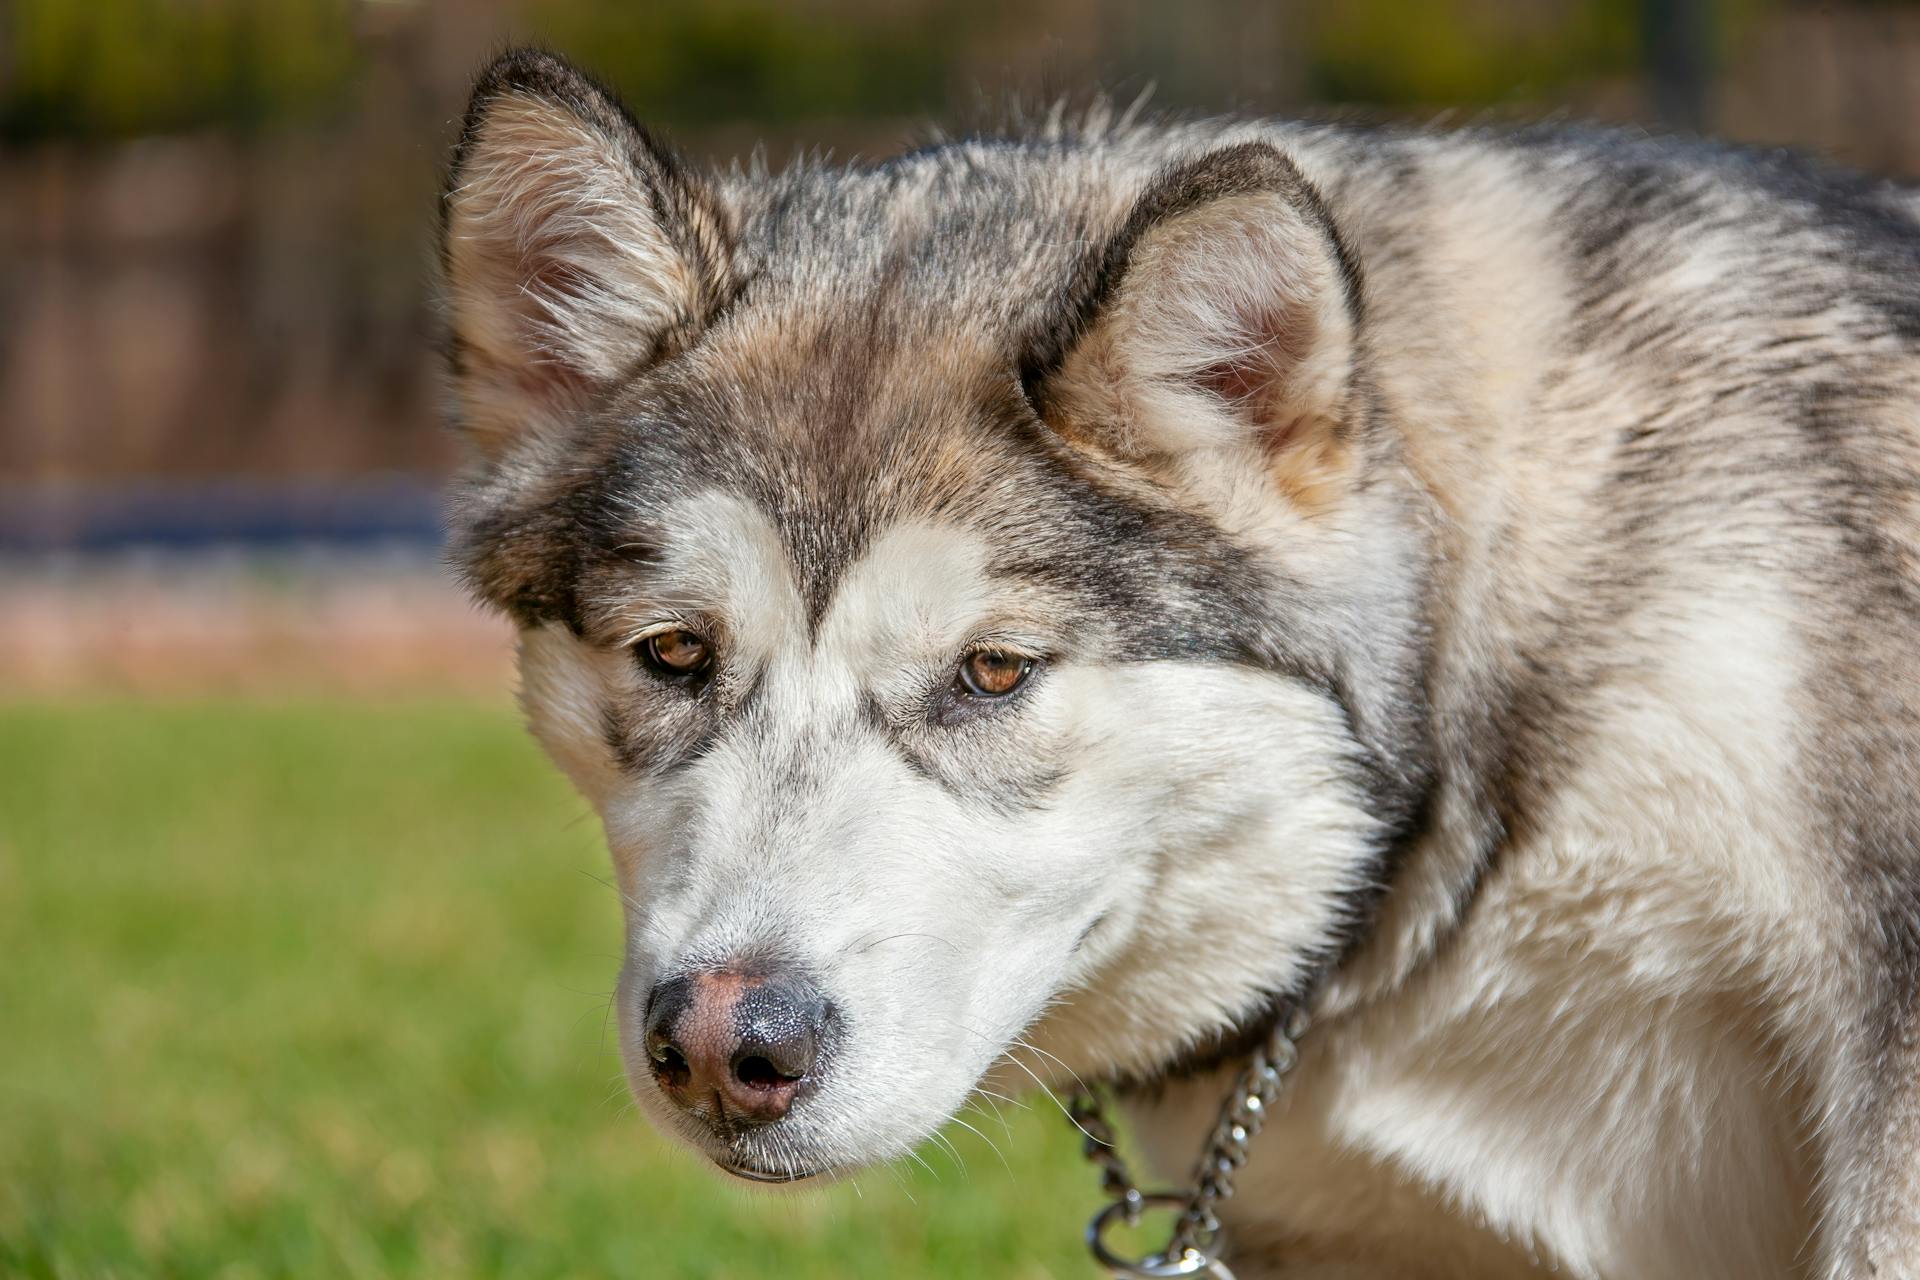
[973,590]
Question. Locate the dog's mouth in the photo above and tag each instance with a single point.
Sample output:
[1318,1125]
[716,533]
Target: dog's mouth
[752,1173]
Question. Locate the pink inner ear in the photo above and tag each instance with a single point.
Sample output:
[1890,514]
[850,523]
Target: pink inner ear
[550,276]
[548,286]
[1270,345]
[1237,381]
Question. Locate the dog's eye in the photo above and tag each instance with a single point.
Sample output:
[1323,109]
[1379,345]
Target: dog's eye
[993,673]
[675,655]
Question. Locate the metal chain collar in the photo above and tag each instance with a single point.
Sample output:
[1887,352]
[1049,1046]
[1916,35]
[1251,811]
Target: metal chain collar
[1197,1241]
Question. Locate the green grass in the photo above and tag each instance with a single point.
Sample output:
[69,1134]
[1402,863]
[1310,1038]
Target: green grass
[318,990]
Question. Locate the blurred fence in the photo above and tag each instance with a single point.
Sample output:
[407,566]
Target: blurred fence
[310,621]
[216,324]
[252,297]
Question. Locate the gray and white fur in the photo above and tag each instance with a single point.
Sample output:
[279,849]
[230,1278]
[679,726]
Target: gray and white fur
[1469,579]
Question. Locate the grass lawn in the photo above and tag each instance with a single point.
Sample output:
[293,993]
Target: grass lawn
[319,990]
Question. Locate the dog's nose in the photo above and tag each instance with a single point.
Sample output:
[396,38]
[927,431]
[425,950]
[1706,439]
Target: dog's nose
[734,1045]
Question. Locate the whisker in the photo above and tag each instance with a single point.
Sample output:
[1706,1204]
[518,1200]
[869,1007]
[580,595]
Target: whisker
[1071,1119]
[953,1153]
[906,1188]
[984,1138]
[606,1020]
[999,1116]
[622,894]
[1078,1083]
[921,1160]
[894,937]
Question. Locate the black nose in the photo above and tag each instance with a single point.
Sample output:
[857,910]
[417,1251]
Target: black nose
[735,1044]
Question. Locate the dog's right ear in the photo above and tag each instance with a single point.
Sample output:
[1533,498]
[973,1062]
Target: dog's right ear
[575,249]
[1222,318]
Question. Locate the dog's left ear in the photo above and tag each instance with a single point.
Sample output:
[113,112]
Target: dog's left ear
[1221,315]
[576,249]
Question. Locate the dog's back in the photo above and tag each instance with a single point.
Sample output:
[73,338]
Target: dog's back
[1664,396]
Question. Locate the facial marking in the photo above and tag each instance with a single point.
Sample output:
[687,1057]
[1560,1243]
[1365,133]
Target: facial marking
[838,817]
[719,555]
[872,674]
[920,588]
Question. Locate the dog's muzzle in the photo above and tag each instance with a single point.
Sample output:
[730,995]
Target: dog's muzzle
[735,1046]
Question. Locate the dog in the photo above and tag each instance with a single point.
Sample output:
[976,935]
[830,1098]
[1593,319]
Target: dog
[1042,603]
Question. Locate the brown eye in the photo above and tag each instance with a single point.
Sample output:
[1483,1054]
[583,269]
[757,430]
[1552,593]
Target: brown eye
[993,673]
[676,654]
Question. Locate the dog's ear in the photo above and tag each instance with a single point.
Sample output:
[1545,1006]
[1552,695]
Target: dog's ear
[575,249]
[1222,314]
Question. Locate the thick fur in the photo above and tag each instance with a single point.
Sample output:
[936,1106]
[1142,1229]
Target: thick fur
[1471,580]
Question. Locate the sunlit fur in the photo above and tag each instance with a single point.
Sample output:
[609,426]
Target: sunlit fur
[1471,581]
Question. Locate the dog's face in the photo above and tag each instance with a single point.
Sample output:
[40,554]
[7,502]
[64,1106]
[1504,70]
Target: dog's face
[949,583]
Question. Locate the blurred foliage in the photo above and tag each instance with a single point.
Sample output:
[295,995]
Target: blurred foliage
[1392,53]
[1403,53]
[760,60]
[115,68]
[111,68]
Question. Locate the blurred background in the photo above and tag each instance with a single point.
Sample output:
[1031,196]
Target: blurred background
[307,948]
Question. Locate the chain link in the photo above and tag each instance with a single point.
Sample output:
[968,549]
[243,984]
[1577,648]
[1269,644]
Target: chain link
[1196,1241]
